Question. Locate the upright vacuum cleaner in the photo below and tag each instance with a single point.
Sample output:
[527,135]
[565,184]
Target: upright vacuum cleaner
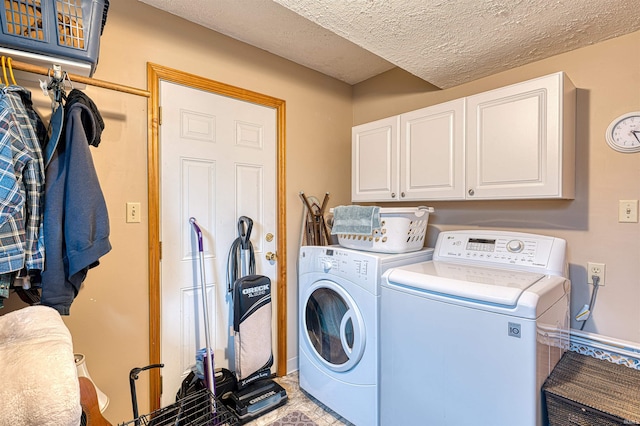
[256,393]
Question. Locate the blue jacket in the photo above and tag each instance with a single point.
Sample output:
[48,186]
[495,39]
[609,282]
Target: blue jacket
[76,222]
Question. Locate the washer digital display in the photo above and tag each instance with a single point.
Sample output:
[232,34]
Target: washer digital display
[481,244]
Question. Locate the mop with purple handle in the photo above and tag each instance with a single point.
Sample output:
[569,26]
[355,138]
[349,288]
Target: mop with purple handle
[205,307]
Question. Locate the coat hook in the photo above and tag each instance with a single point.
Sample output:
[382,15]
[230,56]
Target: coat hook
[4,70]
[13,79]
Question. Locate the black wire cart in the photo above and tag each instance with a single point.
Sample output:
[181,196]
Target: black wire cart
[200,408]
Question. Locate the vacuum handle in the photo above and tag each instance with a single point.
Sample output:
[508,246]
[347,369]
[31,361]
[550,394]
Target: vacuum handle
[198,232]
[244,234]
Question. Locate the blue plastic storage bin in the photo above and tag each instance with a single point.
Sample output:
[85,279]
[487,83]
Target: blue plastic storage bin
[68,29]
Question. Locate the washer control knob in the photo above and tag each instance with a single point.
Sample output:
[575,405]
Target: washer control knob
[515,246]
[327,265]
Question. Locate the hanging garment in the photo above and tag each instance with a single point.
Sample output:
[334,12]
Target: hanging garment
[33,176]
[76,222]
[11,196]
[77,96]
[22,185]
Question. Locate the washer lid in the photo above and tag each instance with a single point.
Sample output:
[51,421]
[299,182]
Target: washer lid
[487,285]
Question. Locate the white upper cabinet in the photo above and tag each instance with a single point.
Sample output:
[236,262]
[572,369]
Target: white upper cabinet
[374,158]
[516,142]
[520,140]
[432,152]
[414,156]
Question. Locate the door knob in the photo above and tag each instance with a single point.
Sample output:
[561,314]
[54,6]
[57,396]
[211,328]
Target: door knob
[271,256]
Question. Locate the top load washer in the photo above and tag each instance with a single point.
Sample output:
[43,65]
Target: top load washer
[469,337]
[339,295]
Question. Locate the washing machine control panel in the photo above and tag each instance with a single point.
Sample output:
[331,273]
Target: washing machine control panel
[348,265]
[495,248]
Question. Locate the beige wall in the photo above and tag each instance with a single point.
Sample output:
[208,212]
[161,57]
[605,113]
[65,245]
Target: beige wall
[109,318]
[607,76]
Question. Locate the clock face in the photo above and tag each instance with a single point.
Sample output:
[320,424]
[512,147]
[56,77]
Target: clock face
[623,134]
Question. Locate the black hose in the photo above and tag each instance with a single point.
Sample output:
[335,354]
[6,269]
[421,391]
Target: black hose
[234,264]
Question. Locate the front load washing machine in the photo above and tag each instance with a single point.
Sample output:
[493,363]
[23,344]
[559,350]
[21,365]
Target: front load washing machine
[339,294]
[469,337]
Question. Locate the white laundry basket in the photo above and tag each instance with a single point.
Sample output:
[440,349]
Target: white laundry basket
[402,230]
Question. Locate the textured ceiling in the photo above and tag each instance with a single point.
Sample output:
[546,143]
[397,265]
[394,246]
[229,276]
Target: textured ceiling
[444,42]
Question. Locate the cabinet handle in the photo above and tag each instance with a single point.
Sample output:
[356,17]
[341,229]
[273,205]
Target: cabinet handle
[393,195]
[471,192]
[402,194]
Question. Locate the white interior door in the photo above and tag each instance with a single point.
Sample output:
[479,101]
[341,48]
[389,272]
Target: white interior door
[218,162]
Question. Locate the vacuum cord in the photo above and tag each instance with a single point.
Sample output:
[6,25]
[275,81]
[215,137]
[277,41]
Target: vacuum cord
[592,303]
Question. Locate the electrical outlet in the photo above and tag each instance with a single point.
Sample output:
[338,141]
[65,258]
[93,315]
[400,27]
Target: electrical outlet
[595,269]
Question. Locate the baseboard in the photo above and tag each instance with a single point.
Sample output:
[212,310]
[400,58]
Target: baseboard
[292,365]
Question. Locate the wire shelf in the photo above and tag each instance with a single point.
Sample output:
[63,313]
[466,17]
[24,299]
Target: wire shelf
[198,409]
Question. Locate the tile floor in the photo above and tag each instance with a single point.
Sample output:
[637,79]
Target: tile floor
[298,400]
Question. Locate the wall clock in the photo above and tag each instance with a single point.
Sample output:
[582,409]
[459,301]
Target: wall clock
[623,134]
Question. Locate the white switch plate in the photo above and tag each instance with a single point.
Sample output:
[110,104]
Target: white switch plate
[133,212]
[628,211]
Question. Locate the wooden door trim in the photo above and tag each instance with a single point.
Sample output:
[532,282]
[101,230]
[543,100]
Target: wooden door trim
[156,73]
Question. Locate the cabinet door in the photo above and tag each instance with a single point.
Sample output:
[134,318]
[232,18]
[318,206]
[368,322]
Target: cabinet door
[518,145]
[432,152]
[374,159]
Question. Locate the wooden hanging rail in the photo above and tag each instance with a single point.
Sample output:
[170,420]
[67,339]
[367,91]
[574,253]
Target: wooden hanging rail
[81,79]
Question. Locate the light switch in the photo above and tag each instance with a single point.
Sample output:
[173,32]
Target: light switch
[628,211]
[133,212]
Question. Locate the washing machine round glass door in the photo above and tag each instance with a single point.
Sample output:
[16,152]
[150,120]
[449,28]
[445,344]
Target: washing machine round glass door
[333,326]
